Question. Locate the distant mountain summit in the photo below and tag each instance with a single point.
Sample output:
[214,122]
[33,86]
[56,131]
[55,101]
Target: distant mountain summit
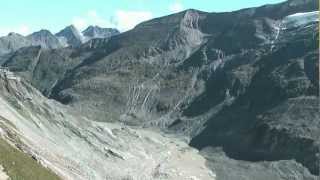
[45,39]
[70,36]
[97,32]
[12,42]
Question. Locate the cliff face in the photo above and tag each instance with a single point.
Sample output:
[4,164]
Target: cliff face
[244,81]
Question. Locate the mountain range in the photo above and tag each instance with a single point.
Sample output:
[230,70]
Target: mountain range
[69,36]
[194,95]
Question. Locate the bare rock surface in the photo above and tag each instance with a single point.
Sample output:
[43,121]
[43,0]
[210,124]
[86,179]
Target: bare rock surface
[76,148]
[245,81]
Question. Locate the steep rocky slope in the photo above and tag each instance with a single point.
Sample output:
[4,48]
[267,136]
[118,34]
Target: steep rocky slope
[76,148]
[244,81]
[45,39]
[70,36]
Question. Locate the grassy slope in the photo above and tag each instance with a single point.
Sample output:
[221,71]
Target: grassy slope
[20,166]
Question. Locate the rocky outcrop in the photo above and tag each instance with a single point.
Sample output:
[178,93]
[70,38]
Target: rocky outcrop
[12,42]
[93,32]
[45,39]
[70,36]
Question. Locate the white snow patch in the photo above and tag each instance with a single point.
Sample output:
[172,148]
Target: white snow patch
[300,19]
[3,175]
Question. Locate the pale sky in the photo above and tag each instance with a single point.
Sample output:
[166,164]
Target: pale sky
[26,16]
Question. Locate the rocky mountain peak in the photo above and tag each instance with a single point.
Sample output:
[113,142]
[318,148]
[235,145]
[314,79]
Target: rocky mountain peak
[13,34]
[279,11]
[71,28]
[45,39]
[299,2]
[98,32]
[70,36]
[90,29]
[191,18]
[12,42]
[43,32]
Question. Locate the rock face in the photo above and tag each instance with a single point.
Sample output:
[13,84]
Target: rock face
[93,32]
[244,81]
[70,36]
[45,39]
[12,42]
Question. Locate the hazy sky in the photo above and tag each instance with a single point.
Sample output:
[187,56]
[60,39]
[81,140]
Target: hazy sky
[26,16]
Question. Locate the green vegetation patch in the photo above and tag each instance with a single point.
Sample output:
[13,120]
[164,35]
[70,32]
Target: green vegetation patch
[20,166]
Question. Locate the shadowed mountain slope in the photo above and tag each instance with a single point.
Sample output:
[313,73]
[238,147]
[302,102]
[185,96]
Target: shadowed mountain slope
[244,81]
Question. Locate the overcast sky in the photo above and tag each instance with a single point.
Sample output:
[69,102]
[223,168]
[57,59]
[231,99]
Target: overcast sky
[26,16]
